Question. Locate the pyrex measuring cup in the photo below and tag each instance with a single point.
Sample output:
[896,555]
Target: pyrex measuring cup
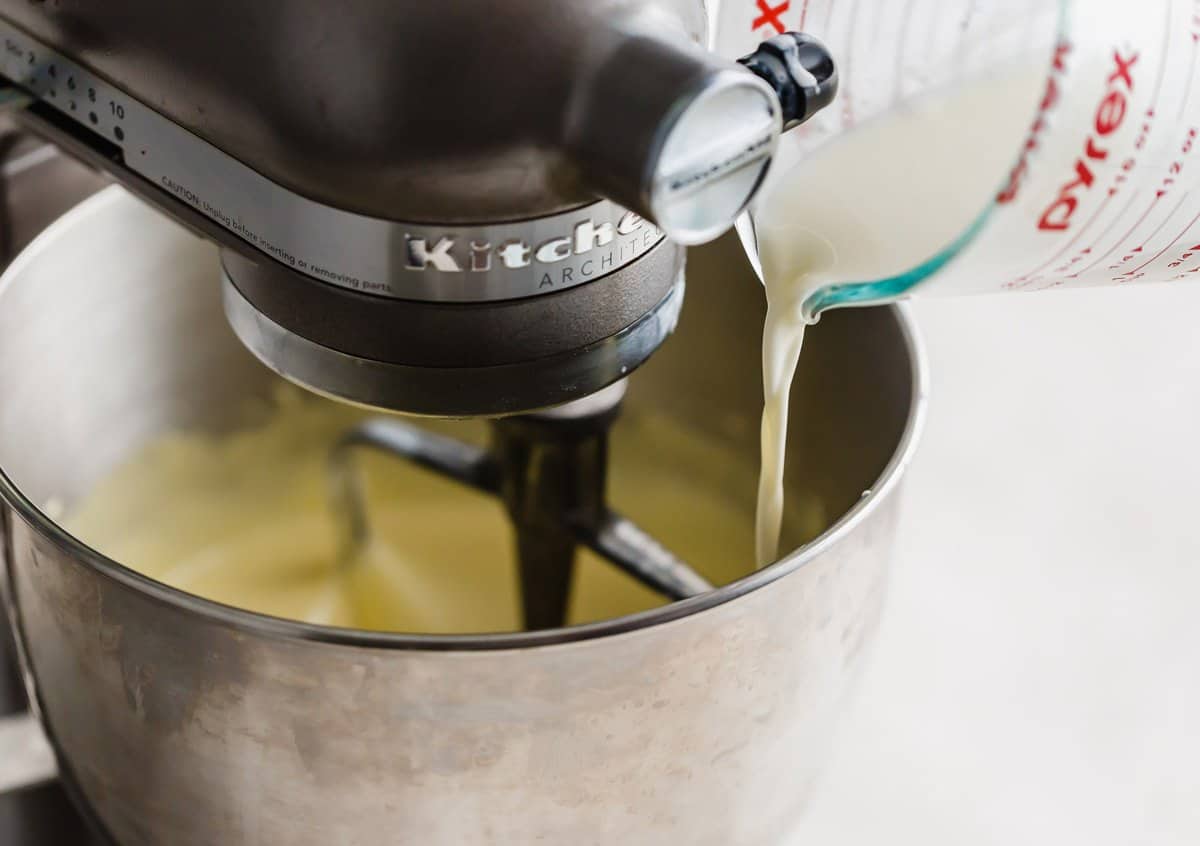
[1085,175]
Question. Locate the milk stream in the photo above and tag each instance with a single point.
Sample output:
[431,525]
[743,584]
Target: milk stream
[875,204]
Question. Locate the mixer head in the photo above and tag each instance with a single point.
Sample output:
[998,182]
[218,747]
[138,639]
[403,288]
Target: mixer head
[420,209]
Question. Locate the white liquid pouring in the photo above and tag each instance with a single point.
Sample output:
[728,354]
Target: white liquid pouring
[876,203]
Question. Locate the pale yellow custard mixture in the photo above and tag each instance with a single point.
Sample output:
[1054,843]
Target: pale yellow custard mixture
[244,519]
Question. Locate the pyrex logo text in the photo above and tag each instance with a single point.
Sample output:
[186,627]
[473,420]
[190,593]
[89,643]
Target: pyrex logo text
[1110,115]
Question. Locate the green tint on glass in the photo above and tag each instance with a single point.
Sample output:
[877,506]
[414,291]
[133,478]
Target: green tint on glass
[846,294]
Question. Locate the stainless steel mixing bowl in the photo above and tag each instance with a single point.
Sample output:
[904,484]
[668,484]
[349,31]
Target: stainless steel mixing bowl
[184,722]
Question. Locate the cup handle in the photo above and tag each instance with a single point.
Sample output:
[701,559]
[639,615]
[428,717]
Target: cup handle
[26,758]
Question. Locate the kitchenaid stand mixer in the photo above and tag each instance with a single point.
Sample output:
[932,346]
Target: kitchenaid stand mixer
[461,209]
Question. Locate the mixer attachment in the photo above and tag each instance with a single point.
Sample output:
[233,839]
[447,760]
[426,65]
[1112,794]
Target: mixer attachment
[550,471]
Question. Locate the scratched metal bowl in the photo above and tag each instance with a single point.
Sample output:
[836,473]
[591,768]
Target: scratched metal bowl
[177,720]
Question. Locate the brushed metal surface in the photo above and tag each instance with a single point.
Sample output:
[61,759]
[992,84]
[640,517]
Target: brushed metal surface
[494,390]
[38,185]
[381,257]
[189,723]
[451,112]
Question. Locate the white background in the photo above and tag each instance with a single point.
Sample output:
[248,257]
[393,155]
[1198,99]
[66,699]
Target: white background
[1037,674]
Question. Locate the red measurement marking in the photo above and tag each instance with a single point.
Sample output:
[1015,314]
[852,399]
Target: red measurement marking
[1119,179]
[1176,167]
[1140,248]
[1187,254]
[1100,240]
[1031,275]
[1144,132]
[803,14]
[1184,275]
[770,15]
[1173,242]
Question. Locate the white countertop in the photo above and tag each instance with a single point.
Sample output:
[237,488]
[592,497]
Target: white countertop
[1037,674]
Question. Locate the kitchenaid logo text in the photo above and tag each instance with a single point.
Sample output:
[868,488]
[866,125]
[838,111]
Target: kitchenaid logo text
[452,254]
[1110,115]
[587,244]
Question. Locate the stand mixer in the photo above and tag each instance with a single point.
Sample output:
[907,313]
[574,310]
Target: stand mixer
[455,209]
[422,214]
